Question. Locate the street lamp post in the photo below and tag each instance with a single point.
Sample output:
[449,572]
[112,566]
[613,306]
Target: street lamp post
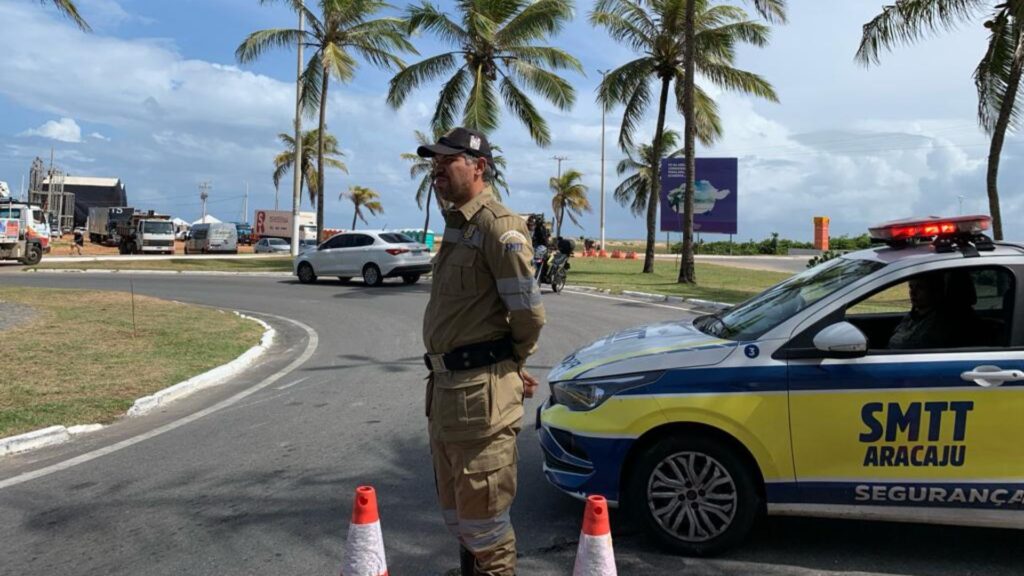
[297,165]
[604,75]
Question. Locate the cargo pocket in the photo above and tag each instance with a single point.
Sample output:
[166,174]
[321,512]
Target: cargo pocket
[508,393]
[462,400]
[493,469]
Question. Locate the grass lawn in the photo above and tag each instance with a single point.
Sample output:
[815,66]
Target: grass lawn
[719,283]
[77,362]
[272,264]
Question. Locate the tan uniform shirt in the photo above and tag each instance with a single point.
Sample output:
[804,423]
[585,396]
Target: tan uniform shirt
[483,287]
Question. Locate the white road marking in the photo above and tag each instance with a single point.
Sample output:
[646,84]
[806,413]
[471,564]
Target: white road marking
[606,297]
[299,381]
[311,347]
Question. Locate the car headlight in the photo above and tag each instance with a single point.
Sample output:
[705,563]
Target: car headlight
[587,394]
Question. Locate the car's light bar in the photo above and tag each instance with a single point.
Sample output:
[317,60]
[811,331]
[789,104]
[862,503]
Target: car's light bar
[930,228]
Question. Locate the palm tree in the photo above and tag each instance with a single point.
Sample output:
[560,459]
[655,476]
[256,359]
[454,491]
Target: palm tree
[643,168]
[67,7]
[341,31]
[284,161]
[997,77]
[493,44]
[570,198]
[363,197]
[770,10]
[656,30]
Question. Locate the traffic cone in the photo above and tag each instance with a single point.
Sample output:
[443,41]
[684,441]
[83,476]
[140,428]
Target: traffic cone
[594,556]
[364,548]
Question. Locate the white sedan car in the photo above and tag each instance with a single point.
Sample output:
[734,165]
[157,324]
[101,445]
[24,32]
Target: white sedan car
[272,246]
[372,254]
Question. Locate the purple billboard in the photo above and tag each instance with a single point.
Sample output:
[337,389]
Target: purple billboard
[714,201]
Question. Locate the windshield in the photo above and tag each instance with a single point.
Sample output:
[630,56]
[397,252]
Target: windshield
[161,227]
[10,213]
[751,319]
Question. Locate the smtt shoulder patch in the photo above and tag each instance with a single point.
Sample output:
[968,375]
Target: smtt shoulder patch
[512,237]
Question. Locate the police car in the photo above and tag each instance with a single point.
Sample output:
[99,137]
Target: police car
[803,401]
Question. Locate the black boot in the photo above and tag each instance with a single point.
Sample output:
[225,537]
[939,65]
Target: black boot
[467,562]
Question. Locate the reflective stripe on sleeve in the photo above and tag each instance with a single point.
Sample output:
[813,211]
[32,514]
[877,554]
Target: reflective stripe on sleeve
[519,293]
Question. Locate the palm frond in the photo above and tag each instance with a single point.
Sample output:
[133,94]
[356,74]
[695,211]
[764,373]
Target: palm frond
[907,21]
[555,58]
[428,17]
[258,42]
[738,80]
[411,77]
[536,21]
[634,111]
[481,111]
[67,7]
[449,100]
[552,87]
[525,111]
[994,74]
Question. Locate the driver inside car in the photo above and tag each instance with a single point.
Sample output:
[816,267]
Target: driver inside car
[925,326]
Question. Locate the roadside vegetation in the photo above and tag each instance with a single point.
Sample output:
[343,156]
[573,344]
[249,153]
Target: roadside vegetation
[718,283]
[269,264]
[79,360]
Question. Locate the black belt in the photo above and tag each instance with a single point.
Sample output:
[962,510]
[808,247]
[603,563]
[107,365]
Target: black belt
[470,356]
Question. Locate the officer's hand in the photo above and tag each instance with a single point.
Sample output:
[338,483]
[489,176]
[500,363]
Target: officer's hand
[529,383]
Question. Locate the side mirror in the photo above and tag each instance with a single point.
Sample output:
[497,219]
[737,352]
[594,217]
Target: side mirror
[842,340]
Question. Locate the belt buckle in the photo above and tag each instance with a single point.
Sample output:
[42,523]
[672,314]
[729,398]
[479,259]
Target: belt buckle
[437,362]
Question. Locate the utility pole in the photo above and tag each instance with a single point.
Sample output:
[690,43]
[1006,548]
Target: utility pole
[604,76]
[559,159]
[297,164]
[961,199]
[204,193]
[245,204]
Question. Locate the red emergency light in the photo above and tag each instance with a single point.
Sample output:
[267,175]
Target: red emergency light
[930,228]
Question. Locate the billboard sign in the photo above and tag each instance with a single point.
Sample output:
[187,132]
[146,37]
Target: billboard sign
[714,201]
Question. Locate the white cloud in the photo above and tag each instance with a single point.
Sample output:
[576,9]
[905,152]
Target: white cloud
[63,130]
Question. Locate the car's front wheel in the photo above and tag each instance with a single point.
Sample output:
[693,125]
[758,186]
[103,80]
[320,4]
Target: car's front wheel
[306,273]
[372,276]
[695,495]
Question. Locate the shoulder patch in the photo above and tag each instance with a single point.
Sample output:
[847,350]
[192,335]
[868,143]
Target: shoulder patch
[512,237]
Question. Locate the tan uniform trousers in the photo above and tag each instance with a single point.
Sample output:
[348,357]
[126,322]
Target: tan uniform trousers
[474,417]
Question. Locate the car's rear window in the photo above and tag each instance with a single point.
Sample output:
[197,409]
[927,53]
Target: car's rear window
[396,238]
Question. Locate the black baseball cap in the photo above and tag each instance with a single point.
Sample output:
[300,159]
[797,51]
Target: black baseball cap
[458,141]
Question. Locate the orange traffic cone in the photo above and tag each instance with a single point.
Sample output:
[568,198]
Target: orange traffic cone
[594,556]
[364,548]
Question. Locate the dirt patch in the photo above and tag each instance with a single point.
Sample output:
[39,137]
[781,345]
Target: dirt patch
[12,314]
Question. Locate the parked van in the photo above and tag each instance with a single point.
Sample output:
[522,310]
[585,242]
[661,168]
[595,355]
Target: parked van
[209,238]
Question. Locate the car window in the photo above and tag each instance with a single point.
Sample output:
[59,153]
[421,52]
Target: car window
[10,213]
[277,242]
[337,242]
[359,240]
[396,238]
[751,319]
[967,307]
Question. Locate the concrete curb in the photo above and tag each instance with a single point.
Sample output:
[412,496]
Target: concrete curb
[649,297]
[60,434]
[206,379]
[159,272]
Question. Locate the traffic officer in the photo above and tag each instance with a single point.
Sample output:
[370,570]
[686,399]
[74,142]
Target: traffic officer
[481,324]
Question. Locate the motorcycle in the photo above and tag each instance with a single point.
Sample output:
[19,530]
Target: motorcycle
[550,267]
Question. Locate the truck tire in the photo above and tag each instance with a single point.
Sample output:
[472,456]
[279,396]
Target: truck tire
[33,254]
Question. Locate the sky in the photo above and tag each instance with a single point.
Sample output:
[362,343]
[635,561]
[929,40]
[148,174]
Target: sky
[154,96]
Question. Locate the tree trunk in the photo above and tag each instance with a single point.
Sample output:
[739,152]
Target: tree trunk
[354,216]
[426,222]
[561,219]
[652,202]
[999,135]
[320,160]
[687,274]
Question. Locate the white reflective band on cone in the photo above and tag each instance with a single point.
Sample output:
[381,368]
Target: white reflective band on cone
[364,551]
[594,556]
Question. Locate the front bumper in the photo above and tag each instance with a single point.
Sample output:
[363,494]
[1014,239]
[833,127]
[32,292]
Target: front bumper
[581,465]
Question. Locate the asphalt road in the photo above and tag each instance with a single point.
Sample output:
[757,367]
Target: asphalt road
[257,475]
